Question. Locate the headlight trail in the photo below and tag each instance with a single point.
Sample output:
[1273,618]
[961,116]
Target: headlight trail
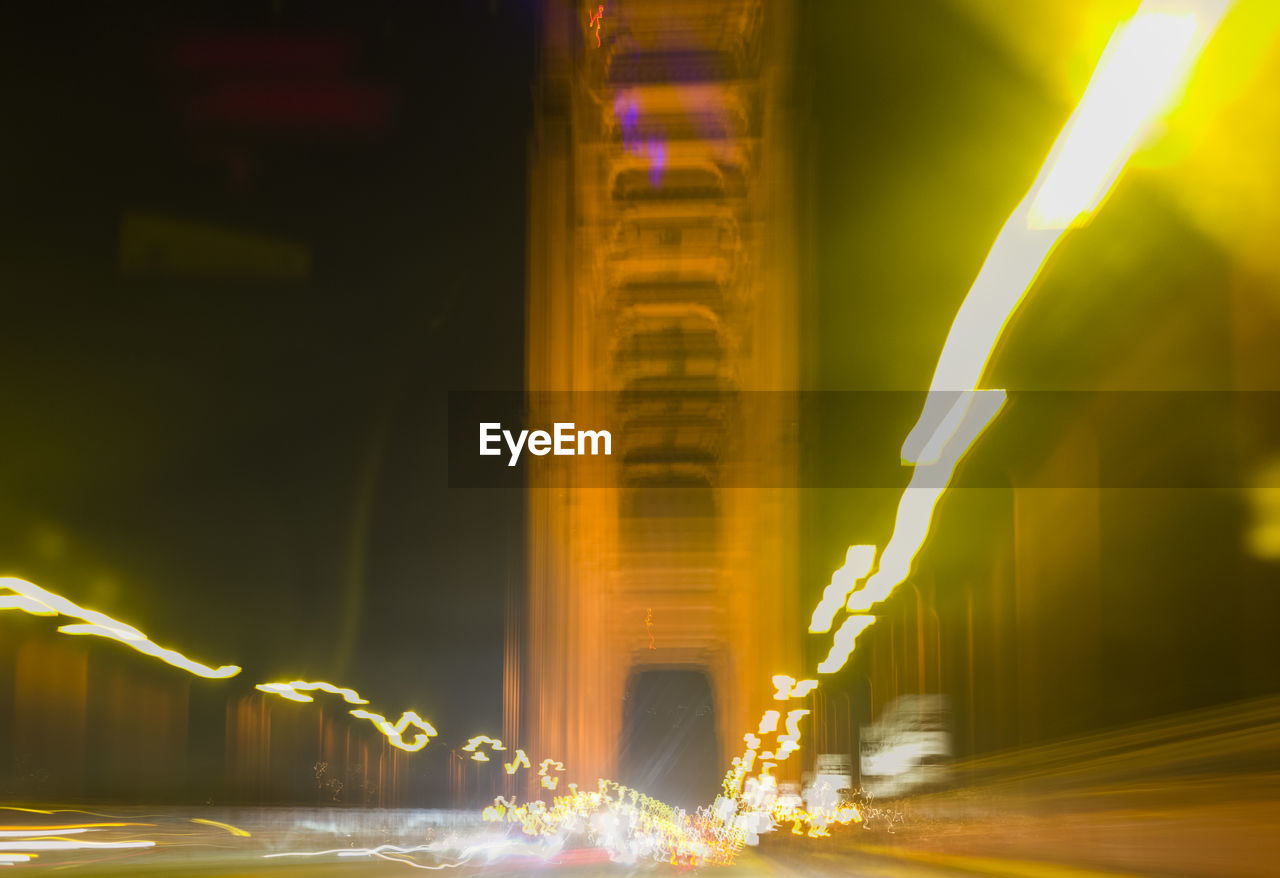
[294,691]
[393,732]
[473,747]
[787,687]
[33,599]
[1141,71]
[1137,78]
[545,768]
[857,564]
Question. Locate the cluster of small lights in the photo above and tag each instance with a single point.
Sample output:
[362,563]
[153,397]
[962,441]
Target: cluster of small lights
[631,826]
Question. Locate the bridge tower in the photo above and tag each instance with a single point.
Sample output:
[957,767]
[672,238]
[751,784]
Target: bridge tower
[662,286]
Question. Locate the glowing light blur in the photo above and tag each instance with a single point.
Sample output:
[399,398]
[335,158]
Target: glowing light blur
[857,564]
[803,688]
[395,733]
[793,723]
[1139,73]
[294,691]
[545,768]
[1142,68]
[915,509]
[768,722]
[842,644]
[234,830]
[787,687]
[473,747]
[521,761]
[630,826]
[33,599]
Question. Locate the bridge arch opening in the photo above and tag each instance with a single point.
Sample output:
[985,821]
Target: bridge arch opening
[668,747]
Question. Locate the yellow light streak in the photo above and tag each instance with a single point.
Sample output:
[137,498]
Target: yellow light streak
[857,564]
[294,691]
[30,598]
[783,684]
[1142,68]
[478,741]
[787,687]
[915,509]
[395,733]
[544,769]
[234,830]
[803,688]
[68,827]
[842,643]
[521,761]
[790,742]
[793,723]
[768,722]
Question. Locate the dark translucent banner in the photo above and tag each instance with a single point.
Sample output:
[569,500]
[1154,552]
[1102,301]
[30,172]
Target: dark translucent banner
[729,439]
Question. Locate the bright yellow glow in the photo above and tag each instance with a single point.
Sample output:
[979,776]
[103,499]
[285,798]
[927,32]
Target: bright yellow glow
[33,599]
[793,723]
[395,733]
[293,691]
[296,691]
[619,822]
[790,742]
[787,687]
[752,741]
[521,761]
[915,509]
[1141,70]
[842,643]
[544,771]
[478,741]
[1139,73]
[857,564]
[26,605]
[768,722]
[234,830]
[803,688]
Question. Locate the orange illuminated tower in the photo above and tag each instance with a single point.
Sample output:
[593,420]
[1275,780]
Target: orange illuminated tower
[662,280]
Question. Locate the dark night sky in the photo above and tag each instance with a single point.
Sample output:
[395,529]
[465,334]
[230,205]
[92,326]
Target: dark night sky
[235,465]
